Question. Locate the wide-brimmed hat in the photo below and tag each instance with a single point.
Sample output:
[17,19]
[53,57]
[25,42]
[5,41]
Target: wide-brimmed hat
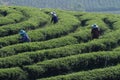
[94,26]
[53,12]
[22,32]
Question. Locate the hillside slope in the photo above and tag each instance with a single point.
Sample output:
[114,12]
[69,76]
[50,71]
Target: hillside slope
[62,51]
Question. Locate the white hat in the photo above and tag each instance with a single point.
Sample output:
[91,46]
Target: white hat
[51,13]
[22,32]
[94,26]
[54,14]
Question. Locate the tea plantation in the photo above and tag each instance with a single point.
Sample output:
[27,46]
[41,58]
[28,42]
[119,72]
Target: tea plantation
[62,51]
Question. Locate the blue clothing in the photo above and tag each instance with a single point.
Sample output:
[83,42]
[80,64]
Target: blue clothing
[25,38]
[54,19]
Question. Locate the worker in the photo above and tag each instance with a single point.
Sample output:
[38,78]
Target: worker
[95,31]
[24,36]
[54,17]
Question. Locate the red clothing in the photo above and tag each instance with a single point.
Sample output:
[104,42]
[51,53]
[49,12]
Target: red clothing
[95,33]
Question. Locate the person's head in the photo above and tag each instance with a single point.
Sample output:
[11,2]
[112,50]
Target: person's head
[22,32]
[53,13]
[94,26]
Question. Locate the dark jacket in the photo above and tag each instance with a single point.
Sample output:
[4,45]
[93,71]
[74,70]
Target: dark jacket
[95,33]
[54,19]
[25,38]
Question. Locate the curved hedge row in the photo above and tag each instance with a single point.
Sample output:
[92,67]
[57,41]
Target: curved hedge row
[12,16]
[33,20]
[12,74]
[110,73]
[87,47]
[72,64]
[57,49]
[93,46]
[33,46]
[10,19]
[77,37]
[45,33]
[83,36]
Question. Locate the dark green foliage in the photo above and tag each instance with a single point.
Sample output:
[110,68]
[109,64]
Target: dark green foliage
[58,49]
[12,74]
[110,73]
[46,33]
[73,63]
[15,49]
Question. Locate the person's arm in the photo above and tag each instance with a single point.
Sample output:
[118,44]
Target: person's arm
[52,20]
[92,31]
